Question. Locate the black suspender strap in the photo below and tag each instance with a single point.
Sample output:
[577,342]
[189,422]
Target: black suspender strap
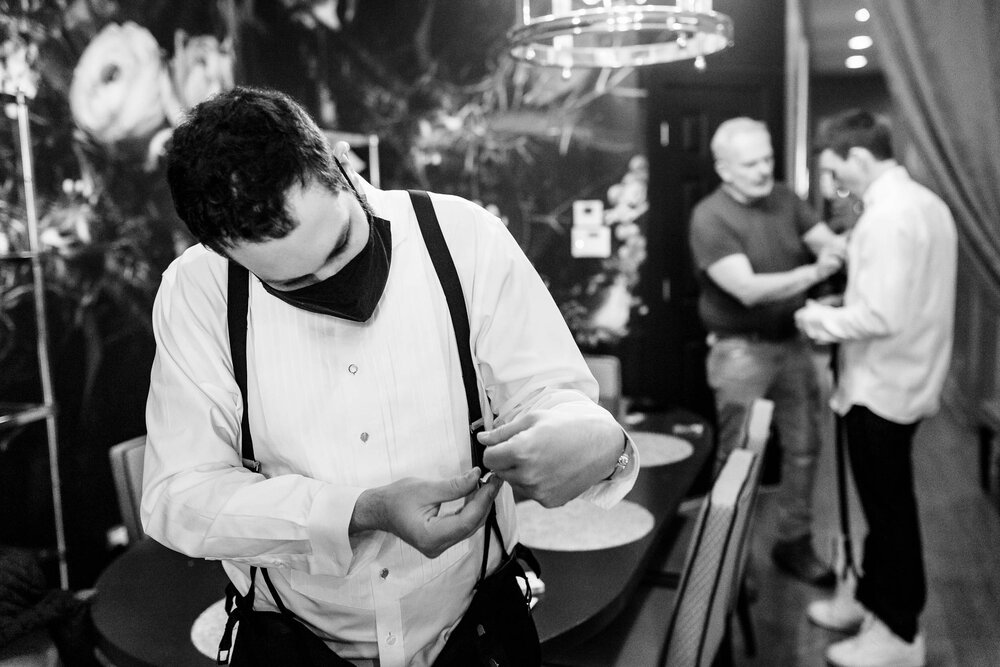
[238,295]
[444,266]
[237,302]
[237,305]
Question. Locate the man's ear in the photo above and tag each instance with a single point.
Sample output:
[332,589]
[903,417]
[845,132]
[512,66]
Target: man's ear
[722,169]
[342,152]
[862,155]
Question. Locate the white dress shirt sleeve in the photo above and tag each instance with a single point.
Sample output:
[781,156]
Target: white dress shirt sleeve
[880,257]
[526,353]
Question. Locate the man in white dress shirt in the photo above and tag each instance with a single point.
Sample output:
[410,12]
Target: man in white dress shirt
[367,511]
[895,336]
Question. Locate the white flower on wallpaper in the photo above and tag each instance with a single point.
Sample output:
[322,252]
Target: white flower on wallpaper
[312,13]
[16,71]
[124,90]
[116,92]
[601,308]
[201,67]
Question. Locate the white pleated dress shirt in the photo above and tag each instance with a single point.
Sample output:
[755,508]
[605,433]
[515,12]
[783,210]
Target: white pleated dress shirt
[895,327]
[337,407]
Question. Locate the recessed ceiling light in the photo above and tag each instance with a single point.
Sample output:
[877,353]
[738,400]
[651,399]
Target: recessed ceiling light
[855,62]
[862,15]
[860,42]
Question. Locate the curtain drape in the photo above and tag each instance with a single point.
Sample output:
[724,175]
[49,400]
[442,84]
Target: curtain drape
[942,63]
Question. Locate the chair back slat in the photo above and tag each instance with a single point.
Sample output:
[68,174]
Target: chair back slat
[708,585]
[126,469]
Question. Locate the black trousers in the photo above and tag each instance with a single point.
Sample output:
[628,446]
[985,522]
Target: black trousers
[893,583]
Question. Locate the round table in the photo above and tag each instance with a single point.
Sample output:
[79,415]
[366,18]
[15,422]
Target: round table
[657,449]
[147,600]
[150,596]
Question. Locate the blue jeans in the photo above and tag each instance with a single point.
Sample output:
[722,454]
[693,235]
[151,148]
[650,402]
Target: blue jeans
[740,370]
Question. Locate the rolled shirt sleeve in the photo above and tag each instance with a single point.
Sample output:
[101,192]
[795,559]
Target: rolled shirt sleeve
[526,353]
[879,285]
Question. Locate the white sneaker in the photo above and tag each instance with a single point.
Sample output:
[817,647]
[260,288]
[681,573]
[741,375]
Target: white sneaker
[876,646]
[841,613]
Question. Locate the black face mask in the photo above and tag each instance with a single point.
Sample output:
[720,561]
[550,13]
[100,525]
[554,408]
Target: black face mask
[353,292]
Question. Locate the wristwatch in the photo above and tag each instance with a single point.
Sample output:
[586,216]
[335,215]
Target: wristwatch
[621,463]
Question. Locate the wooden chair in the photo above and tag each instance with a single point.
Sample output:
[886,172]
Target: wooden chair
[126,468]
[672,559]
[712,573]
[705,597]
[755,436]
[607,370]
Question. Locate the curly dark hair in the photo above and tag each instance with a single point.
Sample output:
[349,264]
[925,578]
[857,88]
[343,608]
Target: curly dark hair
[232,160]
[856,128]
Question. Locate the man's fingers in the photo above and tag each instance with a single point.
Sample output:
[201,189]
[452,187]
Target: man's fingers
[506,431]
[500,459]
[453,528]
[459,486]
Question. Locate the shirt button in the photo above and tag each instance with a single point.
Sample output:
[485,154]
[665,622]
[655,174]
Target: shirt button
[391,639]
[364,436]
[384,573]
[352,369]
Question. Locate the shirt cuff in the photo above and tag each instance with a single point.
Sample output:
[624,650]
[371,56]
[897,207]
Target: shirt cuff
[607,493]
[335,552]
[813,319]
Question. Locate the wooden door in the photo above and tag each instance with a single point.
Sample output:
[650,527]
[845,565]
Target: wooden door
[670,347]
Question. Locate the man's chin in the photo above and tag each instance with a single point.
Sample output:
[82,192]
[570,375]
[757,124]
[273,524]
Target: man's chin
[749,195]
[757,194]
[763,191]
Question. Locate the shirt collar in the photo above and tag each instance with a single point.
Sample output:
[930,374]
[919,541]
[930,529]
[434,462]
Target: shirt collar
[384,207]
[885,184]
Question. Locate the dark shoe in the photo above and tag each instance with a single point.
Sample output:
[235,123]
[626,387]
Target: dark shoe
[797,558]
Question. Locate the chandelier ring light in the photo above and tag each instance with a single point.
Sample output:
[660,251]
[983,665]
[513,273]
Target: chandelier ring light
[616,33]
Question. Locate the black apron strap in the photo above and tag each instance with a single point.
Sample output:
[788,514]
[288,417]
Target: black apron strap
[235,605]
[274,594]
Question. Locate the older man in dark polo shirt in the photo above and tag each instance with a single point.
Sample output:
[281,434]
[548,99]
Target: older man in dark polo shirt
[758,249]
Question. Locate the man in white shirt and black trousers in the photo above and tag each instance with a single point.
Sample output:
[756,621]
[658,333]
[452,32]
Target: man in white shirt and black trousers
[895,335]
[363,509]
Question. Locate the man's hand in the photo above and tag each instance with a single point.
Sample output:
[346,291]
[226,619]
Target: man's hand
[807,320]
[553,456]
[830,259]
[409,509]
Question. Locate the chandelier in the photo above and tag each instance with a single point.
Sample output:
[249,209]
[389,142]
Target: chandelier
[616,33]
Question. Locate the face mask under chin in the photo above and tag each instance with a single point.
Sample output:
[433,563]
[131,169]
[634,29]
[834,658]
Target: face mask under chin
[353,292]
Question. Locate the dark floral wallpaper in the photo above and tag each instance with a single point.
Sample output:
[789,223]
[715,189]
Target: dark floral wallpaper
[106,81]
